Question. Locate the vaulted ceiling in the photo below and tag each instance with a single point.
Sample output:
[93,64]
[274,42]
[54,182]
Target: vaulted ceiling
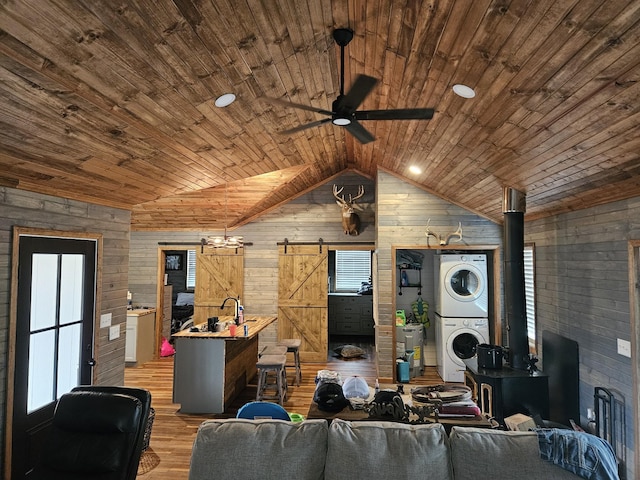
[112,102]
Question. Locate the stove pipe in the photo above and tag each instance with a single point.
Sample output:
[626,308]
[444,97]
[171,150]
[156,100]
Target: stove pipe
[513,207]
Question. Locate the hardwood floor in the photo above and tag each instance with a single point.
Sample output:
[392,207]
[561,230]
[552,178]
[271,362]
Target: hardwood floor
[173,433]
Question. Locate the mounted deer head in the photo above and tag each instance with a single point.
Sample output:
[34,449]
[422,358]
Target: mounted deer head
[444,239]
[350,219]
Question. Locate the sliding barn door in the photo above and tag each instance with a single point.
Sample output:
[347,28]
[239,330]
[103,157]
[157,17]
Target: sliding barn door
[219,274]
[302,299]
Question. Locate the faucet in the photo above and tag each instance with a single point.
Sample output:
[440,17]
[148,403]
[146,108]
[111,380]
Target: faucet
[237,307]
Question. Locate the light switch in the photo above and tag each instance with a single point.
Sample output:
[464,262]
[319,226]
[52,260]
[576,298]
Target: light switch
[624,347]
[105,320]
[114,332]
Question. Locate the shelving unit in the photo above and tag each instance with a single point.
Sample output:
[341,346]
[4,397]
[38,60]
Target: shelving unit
[409,284]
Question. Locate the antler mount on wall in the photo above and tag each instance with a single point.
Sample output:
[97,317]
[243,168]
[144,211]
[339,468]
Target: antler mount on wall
[443,239]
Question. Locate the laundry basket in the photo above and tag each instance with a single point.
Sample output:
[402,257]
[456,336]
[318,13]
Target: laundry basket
[147,430]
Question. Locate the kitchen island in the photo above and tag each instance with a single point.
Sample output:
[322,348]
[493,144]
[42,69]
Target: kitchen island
[212,368]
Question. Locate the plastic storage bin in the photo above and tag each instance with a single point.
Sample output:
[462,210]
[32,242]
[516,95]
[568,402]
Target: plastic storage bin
[402,372]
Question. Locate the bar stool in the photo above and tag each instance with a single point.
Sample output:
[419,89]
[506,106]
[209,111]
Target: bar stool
[273,350]
[272,374]
[293,346]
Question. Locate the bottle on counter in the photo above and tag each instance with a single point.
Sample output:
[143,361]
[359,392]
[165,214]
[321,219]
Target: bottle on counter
[240,314]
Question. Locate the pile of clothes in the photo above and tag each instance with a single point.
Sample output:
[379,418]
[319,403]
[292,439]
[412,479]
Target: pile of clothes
[451,400]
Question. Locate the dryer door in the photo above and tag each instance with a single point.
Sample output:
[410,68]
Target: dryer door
[461,345]
[464,282]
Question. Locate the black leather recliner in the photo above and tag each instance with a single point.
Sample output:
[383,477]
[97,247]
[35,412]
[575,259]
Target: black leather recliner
[98,433]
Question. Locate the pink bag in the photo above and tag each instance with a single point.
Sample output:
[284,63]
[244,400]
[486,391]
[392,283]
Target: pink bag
[166,350]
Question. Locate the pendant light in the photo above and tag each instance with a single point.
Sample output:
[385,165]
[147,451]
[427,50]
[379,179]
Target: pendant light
[217,241]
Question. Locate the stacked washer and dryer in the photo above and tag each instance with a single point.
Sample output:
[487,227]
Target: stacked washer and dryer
[461,311]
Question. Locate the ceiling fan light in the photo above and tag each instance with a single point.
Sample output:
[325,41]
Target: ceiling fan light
[225,100]
[463,91]
[341,121]
[415,170]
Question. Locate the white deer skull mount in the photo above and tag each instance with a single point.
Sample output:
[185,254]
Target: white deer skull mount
[444,239]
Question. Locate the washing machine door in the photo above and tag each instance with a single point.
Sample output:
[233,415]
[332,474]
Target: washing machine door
[461,345]
[464,282]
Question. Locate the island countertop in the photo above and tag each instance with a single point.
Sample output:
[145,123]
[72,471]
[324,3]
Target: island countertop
[255,324]
[213,368]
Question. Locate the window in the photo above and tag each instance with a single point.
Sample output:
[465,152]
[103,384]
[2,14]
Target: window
[353,267]
[191,268]
[529,294]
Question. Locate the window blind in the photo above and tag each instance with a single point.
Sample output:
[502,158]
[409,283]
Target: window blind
[529,293]
[353,267]
[191,268]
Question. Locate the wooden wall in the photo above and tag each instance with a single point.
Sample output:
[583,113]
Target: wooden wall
[582,293]
[400,219]
[26,209]
[304,219]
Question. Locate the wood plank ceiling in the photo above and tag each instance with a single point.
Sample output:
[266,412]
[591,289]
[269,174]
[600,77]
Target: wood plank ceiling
[113,102]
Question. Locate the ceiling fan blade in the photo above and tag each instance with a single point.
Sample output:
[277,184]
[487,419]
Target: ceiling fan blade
[399,114]
[357,130]
[306,125]
[277,101]
[356,94]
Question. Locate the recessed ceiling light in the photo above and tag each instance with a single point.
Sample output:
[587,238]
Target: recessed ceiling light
[414,169]
[225,100]
[463,91]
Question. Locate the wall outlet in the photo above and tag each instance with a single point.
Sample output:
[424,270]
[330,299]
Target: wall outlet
[105,320]
[624,347]
[114,332]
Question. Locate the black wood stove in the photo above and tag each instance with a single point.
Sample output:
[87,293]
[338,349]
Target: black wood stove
[516,388]
[503,392]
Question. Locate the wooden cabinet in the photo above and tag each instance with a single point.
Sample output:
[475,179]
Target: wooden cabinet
[140,336]
[351,314]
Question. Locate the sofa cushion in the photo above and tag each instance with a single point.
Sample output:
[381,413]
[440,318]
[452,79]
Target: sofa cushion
[378,449]
[259,449]
[479,454]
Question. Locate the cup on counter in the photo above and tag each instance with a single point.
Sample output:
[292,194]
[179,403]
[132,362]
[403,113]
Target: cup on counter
[232,329]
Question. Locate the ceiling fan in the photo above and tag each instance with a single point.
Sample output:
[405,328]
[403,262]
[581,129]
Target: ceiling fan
[344,109]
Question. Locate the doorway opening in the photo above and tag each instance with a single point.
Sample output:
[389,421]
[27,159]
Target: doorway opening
[350,305]
[414,280]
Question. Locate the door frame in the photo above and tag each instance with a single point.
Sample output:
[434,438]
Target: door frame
[13,316]
[493,282]
[634,314]
[162,256]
